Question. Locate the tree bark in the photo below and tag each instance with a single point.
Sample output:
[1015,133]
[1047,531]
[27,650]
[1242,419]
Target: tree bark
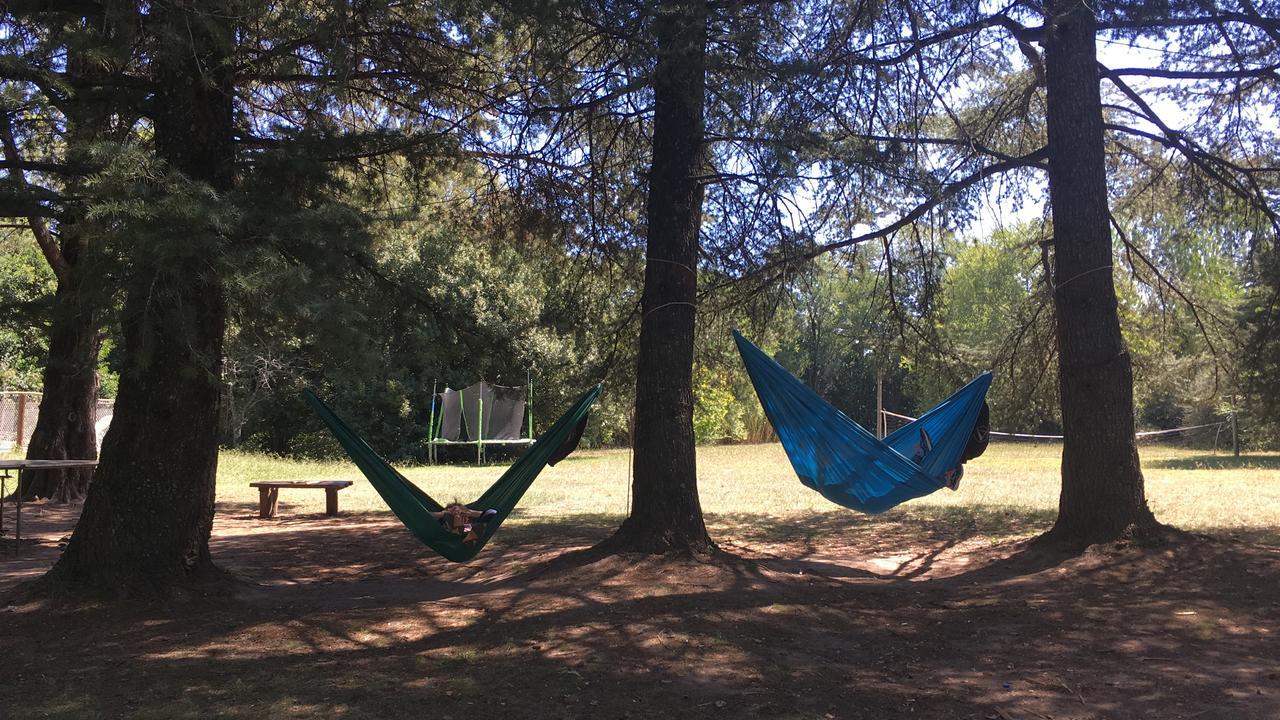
[1102,498]
[666,515]
[65,427]
[149,513]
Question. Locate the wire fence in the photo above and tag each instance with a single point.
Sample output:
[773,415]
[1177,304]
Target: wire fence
[19,412]
[1223,431]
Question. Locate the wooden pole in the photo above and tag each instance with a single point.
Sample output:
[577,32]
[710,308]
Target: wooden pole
[431,426]
[19,441]
[440,422]
[881,425]
[1235,435]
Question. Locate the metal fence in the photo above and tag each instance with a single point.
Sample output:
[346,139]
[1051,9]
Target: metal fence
[20,410]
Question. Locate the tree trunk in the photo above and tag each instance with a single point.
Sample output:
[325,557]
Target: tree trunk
[149,512]
[65,427]
[1102,488]
[666,515]
[68,402]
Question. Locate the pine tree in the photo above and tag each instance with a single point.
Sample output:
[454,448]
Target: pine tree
[149,514]
[666,514]
[1102,491]
[82,96]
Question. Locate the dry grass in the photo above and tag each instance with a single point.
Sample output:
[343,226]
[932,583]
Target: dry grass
[1012,490]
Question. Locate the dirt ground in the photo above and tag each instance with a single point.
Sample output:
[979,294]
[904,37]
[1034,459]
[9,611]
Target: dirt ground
[349,617]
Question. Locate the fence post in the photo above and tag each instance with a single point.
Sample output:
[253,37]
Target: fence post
[882,426]
[1235,435]
[431,426]
[20,441]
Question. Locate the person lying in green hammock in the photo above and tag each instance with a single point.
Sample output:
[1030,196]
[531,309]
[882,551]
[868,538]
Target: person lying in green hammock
[462,520]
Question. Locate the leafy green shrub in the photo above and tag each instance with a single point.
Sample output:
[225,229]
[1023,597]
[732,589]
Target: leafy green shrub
[317,445]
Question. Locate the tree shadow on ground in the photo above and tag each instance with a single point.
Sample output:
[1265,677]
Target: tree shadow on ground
[898,529]
[1252,535]
[916,613]
[350,617]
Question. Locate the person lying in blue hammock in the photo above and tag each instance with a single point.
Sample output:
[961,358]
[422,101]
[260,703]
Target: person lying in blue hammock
[462,520]
[977,445]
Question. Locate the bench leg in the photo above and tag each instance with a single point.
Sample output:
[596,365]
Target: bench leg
[331,501]
[268,502]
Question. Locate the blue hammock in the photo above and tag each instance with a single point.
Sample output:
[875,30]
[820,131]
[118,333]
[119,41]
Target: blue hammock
[848,465]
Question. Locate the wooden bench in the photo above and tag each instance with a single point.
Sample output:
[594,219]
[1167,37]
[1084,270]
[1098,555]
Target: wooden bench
[269,494]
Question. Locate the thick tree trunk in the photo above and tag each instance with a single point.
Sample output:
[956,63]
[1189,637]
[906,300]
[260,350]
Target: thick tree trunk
[1102,487]
[666,515]
[65,426]
[149,513]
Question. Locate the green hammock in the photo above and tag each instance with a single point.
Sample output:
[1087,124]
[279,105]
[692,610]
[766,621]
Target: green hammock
[414,507]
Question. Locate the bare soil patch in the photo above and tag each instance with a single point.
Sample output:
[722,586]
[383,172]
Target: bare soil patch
[349,617]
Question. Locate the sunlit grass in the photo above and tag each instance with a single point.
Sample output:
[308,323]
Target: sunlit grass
[1191,489]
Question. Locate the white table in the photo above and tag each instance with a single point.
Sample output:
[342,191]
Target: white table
[8,466]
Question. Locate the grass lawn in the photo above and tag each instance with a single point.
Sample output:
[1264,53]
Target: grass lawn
[1010,491]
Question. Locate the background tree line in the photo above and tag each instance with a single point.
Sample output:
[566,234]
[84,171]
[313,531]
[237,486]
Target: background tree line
[377,352]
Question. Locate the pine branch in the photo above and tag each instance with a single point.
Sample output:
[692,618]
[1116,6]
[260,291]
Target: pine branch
[349,147]
[42,167]
[1253,19]
[82,8]
[1211,164]
[1034,159]
[1020,32]
[1168,282]
[465,326]
[52,84]
[1269,71]
[39,228]
[1271,26]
